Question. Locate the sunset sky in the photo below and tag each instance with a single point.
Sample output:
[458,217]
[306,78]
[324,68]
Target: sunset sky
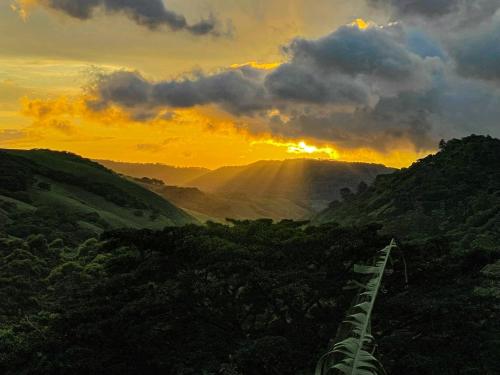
[224,82]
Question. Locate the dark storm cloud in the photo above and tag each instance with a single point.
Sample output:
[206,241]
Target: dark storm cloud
[452,107]
[293,82]
[348,67]
[353,51]
[477,53]
[237,91]
[357,88]
[404,117]
[457,13]
[429,8]
[149,13]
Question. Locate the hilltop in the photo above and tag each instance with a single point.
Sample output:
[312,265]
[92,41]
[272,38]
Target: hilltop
[275,189]
[315,182]
[219,207]
[62,195]
[168,174]
[454,193]
[257,297]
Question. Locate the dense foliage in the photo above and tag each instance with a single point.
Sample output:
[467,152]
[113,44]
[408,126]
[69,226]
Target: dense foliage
[454,194]
[254,298]
[354,348]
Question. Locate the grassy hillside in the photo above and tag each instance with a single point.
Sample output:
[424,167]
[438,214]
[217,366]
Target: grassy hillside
[313,182]
[168,174]
[219,207]
[63,195]
[455,193]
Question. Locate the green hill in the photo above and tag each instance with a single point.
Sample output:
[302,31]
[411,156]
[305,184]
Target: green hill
[287,189]
[253,297]
[455,193]
[219,207]
[310,182]
[167,173]
[62,195]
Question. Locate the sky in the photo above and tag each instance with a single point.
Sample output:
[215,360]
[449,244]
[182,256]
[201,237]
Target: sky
[222,82]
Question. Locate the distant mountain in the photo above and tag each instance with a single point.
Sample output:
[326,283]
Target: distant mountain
[168,174]
[313,183]
[62,195]
[455,193]
[219,207]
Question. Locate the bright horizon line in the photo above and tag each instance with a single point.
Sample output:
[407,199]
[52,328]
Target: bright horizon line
[100,159]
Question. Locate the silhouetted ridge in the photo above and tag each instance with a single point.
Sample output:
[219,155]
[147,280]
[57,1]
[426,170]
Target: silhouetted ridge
[454,193]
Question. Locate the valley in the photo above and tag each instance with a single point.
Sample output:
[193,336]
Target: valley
[104,266]
[220,187]
[289,189]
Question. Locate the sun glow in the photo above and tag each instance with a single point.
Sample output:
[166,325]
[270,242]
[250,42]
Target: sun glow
[257,65]
[361,23]
[302,148]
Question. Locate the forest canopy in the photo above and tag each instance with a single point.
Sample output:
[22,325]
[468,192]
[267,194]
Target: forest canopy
[251,298]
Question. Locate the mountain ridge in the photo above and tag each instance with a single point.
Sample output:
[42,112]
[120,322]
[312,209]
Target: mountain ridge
[311,183]
[452,192]
[219,207]
[167,173]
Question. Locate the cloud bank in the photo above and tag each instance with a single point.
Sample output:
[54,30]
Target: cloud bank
[455,12]
[415,81]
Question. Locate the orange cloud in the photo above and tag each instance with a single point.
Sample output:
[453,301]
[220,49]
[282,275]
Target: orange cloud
[257,65]
[210,136]
[68,108]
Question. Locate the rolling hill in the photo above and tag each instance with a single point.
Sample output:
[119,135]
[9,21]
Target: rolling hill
[254,295]
[168,174]
[219,207]
[289,189]
[62,195]
[313,183]
[453,194]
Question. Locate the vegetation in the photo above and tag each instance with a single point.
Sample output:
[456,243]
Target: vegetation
[313,183]
[254,297]
[290,189]
[451,196]
[64,196]
[219,207]
[354,354]
[168,174]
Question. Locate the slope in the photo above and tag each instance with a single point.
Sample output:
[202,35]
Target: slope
[169,174]
[65,196]
[311,182]
[455,193]
[219,207]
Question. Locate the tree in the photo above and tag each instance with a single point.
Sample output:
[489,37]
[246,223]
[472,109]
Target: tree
[346,194]
[362,187]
